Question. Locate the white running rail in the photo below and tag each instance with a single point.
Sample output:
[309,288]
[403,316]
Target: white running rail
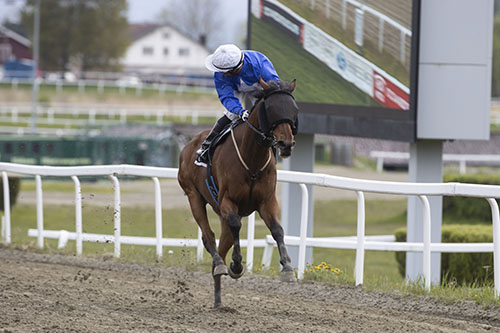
[360,243]
[462,159]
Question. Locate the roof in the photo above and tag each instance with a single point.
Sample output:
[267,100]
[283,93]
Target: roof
[138,31]
[15,36]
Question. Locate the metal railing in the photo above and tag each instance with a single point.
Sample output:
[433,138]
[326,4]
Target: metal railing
[360,243]
[462,159]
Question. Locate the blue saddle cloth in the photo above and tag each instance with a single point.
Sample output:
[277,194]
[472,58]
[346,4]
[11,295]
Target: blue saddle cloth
[212,187]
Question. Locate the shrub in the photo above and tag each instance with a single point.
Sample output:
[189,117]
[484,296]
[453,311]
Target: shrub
[473,210]
[463,268]
[14,186]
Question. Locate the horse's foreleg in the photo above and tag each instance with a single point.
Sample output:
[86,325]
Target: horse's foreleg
[269,213]
[200,215]
[233,223]
[218,266]
[217,291]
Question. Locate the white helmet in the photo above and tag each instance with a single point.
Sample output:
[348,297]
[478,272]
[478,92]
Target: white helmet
[225,58]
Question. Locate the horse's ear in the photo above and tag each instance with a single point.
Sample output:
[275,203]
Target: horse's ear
[263,83]
[292,85]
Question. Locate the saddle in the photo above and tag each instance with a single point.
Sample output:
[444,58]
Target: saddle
[220,138]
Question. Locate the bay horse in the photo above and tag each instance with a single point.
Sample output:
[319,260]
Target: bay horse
[244,172]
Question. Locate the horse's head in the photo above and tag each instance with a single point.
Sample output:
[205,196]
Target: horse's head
[278,114]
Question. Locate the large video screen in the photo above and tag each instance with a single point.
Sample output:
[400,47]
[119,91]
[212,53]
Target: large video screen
[354,61]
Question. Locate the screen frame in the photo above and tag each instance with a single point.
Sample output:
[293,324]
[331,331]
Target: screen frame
[363,121]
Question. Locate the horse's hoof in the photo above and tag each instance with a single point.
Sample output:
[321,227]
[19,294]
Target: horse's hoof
[217,305]
[220,270]
[236,275]
[288,276]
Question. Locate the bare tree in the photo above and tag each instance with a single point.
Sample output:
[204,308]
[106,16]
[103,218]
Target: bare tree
[196,18]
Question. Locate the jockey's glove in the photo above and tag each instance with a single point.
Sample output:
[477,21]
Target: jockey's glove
[244,114]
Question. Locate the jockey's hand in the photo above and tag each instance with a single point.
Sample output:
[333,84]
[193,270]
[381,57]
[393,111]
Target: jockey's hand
[244,115]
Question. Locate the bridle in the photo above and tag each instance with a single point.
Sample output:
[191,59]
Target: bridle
[266,138]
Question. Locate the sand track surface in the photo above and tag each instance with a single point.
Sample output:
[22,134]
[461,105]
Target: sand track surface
[55,293]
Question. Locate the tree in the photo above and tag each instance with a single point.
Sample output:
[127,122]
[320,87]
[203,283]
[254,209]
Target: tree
[92,33]
[196,18]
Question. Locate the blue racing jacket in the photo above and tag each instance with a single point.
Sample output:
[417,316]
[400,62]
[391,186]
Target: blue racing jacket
[255,65]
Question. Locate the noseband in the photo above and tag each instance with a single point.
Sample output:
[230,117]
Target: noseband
[266,138]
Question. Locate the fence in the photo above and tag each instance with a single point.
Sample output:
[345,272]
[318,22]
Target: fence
[360,243]
[387,31]
[67,114]
[122,81]
[462,159]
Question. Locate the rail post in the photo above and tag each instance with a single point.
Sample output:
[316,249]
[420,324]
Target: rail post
[496,245]
[159,235]
[39,211]
[250,241]
[117,215]
[427,241]
[199,247]
[360,247]
[303,232]
[6,206]
[78,215]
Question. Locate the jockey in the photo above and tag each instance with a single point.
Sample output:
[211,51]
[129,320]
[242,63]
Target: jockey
[235,72]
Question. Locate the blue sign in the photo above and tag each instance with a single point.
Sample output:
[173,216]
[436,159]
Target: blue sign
[341,61]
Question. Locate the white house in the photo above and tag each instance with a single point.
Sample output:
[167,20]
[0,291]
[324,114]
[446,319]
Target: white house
[161,49]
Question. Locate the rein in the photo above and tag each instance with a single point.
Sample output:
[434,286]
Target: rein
[253,176]
[270,140]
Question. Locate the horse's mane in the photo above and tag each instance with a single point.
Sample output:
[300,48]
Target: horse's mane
[273,86]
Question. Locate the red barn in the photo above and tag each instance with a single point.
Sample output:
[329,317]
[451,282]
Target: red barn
[13,45]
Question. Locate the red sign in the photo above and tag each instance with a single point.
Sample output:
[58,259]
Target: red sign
[388,94]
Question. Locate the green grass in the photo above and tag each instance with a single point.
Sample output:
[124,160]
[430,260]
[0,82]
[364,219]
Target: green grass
[178,223]
[315,81]
[28,185]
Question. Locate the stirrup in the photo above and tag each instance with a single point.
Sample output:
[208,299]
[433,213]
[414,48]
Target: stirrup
[199,163]
[200,159]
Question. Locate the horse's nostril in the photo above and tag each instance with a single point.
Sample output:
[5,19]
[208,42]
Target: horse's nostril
[293,143]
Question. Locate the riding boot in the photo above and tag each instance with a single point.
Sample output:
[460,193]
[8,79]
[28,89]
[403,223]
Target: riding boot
[201,159]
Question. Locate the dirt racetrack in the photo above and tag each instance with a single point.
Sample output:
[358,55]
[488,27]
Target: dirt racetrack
[54,293]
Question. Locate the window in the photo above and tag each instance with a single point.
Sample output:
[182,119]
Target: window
[166,35]
[147,50]
[5,52]
[50,148]
[22,147]
[35,147]
[184,52]
[8,148]
[165,51]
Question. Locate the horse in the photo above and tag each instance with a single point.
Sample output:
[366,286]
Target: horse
[244,172]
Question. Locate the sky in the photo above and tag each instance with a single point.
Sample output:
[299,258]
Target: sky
[140,11]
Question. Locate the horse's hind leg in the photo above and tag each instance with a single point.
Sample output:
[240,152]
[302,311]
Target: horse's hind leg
[231,225]
[269,213]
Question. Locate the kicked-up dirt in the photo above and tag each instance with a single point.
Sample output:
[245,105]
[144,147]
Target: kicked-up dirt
[55,293]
